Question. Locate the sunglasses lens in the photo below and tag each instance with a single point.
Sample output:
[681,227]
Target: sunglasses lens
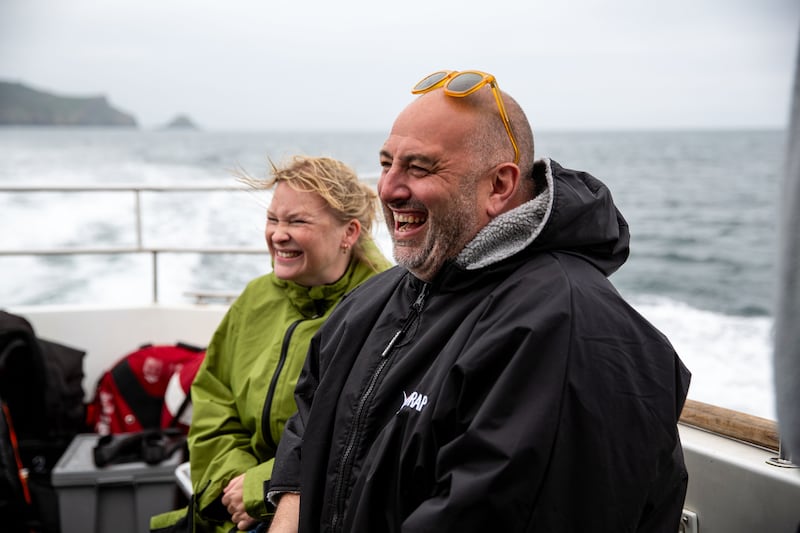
[464,82]
[430,81]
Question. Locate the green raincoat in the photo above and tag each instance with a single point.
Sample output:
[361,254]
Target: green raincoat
[244,391]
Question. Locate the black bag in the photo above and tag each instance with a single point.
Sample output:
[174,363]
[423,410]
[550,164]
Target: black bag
[40,386]
[150,446]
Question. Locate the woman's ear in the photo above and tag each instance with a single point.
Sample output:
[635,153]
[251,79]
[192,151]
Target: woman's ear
[351,232]
[503,192]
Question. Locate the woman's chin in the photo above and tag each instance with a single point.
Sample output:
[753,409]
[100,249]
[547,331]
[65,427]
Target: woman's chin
[285,273]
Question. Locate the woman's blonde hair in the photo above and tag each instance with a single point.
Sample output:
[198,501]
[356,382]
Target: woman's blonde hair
[335,182]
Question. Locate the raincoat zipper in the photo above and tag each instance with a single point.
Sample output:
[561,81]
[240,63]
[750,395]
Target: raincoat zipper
[345,463]
[265,415]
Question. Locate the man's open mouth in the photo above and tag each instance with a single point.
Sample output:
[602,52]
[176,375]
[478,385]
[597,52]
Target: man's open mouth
[407,222]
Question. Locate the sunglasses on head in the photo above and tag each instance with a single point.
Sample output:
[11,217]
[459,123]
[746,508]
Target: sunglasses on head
[464,83]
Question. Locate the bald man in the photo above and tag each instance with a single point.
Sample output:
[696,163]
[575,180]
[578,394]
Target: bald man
[494,379]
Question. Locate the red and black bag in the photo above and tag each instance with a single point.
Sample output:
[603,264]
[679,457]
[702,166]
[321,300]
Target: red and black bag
[130,396]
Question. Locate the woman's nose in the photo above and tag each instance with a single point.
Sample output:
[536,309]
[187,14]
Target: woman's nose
[277,234]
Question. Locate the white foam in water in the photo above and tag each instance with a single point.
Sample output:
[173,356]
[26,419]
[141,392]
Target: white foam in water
[730,357]
[47,220]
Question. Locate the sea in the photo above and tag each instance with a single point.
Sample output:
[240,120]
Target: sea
[701,205]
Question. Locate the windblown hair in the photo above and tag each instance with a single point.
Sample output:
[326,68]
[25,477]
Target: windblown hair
[337,184]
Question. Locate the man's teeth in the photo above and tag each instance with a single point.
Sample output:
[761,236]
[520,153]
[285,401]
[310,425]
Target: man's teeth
[404,220]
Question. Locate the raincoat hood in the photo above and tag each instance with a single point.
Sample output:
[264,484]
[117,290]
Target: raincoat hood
[573,212]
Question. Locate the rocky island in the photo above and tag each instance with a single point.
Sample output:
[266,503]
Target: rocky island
[21,105]
[181,122]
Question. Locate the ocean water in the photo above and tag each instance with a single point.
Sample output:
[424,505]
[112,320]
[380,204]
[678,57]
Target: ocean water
[701,206]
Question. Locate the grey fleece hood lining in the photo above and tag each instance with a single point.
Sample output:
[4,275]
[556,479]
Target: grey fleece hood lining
[510,232]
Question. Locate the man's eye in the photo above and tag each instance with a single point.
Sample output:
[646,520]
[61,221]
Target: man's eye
[416,170]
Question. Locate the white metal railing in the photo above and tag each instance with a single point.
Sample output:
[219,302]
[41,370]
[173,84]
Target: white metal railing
[139,247]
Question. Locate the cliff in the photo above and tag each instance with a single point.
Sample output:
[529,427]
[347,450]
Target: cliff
[23,106]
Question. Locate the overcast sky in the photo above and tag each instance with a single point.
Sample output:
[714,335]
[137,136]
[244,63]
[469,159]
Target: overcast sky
[334,64]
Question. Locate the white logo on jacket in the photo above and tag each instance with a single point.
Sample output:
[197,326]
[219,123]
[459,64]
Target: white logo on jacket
[415,400]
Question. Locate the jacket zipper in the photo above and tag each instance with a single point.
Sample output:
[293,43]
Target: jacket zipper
[345,462]
[265,415]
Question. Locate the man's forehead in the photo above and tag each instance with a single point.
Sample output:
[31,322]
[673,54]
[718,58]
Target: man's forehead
[424,129]
[411,147]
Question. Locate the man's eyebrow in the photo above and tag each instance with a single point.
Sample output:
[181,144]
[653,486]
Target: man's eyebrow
[409,158]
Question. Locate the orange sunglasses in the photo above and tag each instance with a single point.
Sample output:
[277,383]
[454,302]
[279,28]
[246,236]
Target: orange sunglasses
[463,83]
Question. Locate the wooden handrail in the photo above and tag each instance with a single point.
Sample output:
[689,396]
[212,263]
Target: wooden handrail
[733,424]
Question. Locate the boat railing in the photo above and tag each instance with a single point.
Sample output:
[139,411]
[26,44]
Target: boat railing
[743,427]
[139,247]
[736,425]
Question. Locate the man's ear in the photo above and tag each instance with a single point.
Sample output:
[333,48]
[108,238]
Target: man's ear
[504,189]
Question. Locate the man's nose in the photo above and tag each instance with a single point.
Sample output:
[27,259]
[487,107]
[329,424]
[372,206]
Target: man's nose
[393,185]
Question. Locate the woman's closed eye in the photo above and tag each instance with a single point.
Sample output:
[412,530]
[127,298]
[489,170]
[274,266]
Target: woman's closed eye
[291,221]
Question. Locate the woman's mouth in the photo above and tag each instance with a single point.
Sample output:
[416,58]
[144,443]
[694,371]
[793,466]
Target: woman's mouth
[286,254]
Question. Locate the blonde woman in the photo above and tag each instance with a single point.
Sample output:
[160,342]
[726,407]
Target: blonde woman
[318,234]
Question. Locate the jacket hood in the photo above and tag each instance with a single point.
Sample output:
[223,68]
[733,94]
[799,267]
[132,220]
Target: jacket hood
[573,213]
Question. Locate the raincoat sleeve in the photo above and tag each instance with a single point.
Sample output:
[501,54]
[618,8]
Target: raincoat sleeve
[220,446]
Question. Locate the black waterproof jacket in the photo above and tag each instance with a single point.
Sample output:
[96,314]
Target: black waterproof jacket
[516,392]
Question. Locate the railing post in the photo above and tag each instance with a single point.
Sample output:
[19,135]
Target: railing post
[155,276]
[138,208]
[784,459]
